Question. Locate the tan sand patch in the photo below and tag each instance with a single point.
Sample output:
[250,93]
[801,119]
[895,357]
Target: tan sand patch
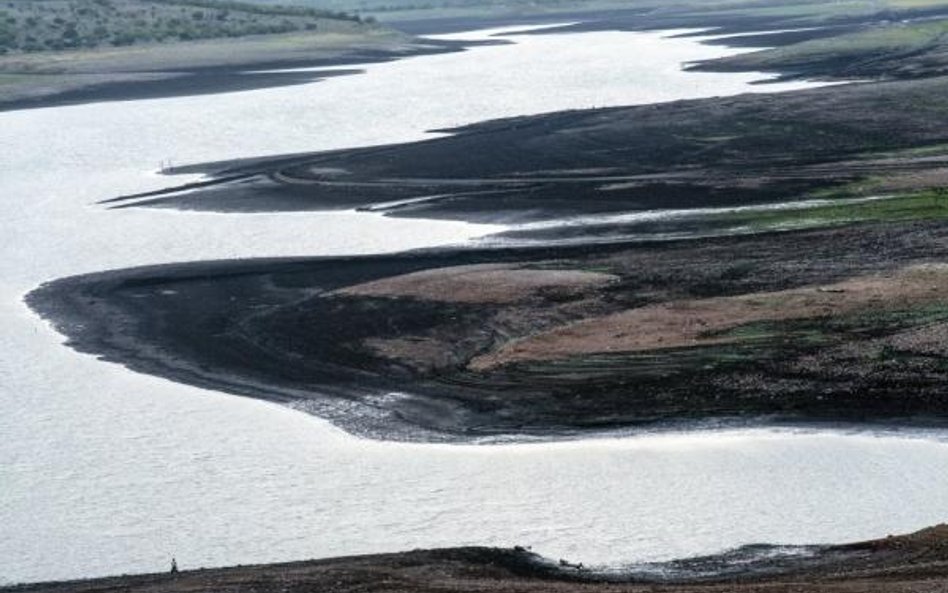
[685,323]
[482,283]
[420,353]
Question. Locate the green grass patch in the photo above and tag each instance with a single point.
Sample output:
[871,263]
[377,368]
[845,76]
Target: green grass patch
[801,333]
[820,330]
[6,79]
[33,26]
[940,149]
[654,364]
[925,205]
[890,320]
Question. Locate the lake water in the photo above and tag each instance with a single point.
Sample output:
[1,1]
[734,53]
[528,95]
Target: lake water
[104,471]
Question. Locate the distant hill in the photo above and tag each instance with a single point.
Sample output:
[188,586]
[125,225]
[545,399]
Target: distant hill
[806,12]
[448,7]
[43,25]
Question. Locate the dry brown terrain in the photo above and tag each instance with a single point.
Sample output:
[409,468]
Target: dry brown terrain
[483,283]
[695,322]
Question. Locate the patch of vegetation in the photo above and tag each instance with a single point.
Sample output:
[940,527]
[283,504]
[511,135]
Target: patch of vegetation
[747,344]
[796,13]
[43,25]
[804,333]
[15,78]
[938,149]
[882,321]
[924,205]
[638,366]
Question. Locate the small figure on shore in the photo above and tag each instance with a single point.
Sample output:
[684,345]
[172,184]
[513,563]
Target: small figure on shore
[174,565]
[567,564]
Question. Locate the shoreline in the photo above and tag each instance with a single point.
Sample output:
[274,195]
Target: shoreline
[453,371]
[895,563]
[201,67]
[331,354]
[51,79]
[813,143]
[161,319]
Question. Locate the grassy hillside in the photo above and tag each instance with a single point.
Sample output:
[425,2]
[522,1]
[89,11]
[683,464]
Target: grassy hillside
[811,11]
[41,25]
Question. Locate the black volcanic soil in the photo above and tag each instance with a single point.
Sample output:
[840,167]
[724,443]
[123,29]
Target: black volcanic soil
[847,324]
[913,563]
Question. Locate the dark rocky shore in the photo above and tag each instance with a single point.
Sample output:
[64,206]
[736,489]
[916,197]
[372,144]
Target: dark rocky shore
[834,325]
[911,563]
[710,153]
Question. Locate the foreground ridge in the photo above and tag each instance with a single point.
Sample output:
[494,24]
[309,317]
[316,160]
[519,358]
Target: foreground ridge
[913,562]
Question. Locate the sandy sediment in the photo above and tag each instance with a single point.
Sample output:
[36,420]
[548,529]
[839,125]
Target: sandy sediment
[483,283]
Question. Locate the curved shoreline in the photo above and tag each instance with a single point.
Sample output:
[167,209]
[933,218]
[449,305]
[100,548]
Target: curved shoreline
[276,285]
[206,67]
[286,331]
